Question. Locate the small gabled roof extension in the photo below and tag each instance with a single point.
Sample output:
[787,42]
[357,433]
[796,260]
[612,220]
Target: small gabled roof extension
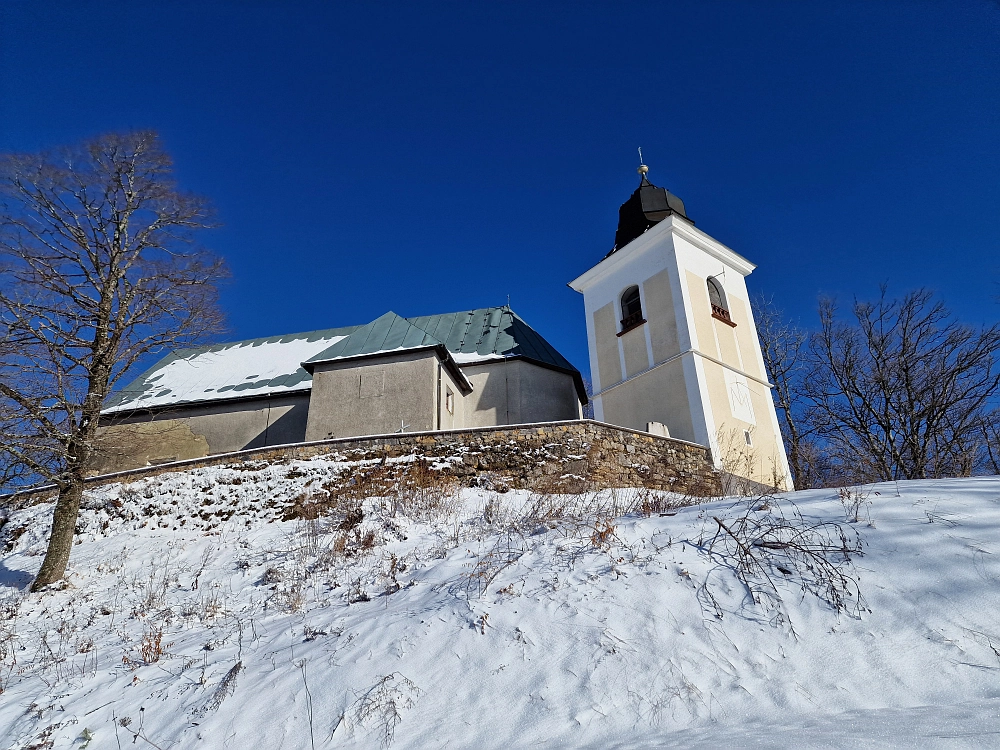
[387,334]
[496,333]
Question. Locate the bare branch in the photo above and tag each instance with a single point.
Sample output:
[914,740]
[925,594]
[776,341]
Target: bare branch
[98,268]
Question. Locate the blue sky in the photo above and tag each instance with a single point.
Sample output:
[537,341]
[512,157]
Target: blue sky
[427,157]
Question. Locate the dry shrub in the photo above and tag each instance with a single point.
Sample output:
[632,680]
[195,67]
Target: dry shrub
[10,606]
[763,541]
[226,688]
[422,494]
[604,532]
[151,647]
[291,595]
[426,504]
[212,605]
[339,544]
[648,502]
[153,588]
[576,512]
[367,540]
[506,551]
[855,500]
[588,517]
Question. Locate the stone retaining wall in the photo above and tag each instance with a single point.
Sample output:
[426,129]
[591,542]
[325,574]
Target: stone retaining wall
[550,455]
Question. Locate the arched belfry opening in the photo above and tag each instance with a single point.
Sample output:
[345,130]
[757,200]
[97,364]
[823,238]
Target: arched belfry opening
[631,305]
[717,298]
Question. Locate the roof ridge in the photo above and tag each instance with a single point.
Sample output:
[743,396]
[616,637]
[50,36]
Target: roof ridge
[421,328]
[372,338]
[395,315]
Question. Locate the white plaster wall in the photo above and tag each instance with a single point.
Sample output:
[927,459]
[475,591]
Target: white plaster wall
[689,257]
[456,418]
[696,262]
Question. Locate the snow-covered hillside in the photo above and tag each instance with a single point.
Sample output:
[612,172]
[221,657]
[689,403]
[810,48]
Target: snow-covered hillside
[195,617]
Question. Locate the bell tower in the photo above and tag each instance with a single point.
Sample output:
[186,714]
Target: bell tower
[673,344]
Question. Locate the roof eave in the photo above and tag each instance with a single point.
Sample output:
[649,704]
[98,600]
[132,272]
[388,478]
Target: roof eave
[454,370]
[310,365]
[137,409]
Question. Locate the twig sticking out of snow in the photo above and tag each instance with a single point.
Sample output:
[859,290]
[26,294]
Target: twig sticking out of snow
[384,702]
[226,688]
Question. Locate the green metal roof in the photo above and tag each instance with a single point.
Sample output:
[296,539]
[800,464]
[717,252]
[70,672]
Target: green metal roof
[272,365]
[387,334]
[497,331]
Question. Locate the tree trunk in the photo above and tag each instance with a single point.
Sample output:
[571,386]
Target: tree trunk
[68,503]
[61,539]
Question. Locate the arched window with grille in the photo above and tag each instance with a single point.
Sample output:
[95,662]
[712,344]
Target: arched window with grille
[720,307]
[631,309]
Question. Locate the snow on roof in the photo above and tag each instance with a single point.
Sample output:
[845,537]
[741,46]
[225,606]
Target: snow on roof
[465,358]
[259,367]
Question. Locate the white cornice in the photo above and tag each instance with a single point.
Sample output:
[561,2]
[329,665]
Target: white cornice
[613,262]
[677,356]
[676,225]
[711,246]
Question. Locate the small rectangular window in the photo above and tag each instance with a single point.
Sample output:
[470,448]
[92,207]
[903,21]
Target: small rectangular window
[372,383]
[746,436]
[449,401]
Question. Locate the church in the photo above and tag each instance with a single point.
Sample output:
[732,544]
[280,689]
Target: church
[478,368]
[671,337]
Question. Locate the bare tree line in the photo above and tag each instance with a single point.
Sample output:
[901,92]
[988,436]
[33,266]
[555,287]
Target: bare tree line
[895,389]
[98,269]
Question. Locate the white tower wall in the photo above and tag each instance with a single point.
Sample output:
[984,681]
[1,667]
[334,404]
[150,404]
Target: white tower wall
[697,373]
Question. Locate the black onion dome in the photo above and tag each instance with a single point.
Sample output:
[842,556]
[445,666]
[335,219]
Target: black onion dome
[647,206]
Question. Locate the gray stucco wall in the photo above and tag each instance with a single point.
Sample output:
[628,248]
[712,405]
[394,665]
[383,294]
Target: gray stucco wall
[199,430]
[517,392]
[373,396]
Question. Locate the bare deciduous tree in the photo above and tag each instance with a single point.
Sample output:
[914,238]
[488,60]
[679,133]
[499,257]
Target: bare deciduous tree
[783,346]
[903,392]
[99,269]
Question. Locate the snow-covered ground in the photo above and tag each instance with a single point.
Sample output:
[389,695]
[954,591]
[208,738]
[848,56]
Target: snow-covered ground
[195,617]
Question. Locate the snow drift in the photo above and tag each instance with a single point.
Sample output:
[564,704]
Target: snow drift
[194,616]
